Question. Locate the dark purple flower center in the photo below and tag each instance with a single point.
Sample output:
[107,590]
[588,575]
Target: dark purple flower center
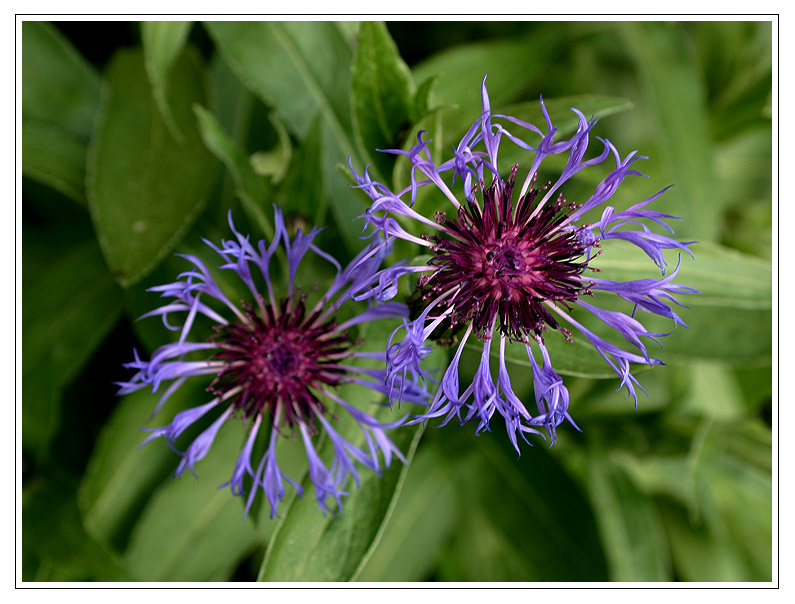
[501,261]
[279,360]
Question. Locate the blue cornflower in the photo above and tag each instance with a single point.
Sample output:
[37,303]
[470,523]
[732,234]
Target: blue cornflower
[512,267]
[277,363]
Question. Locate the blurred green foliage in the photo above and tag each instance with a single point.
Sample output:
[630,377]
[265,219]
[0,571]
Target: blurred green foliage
[138,138]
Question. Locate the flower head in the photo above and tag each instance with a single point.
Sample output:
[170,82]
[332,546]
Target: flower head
[276,363]
[512,261]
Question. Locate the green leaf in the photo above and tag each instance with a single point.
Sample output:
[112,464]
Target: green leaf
[69,309]
[422,103]
[744,166]
[55,158]
[713,391]
[121,476]
[381,96]
[191,530]
[736,66]
[145,189]
[302,195]
[346,206]
[720,526]
[295,67]
[310,546]
[512,66]
[677,105]
[480,552]
[55,545]
[275,162]
[577,358]
[427,514]
[630,526]
[530,503]
[163,41]
[252,188]
[736,287]
[59,87]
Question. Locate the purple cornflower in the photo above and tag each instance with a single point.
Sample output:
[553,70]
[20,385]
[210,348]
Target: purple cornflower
[513,266]
[276,363]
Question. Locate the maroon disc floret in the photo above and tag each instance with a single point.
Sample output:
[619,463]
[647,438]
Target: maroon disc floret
[505,261]
[279,359]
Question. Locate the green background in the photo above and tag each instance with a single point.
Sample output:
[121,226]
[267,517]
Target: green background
[138,138]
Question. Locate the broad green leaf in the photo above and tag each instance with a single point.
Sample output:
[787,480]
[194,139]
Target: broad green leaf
[479,551]
[145,189]
[423,102]
[163,41]
[744,164]
[698,553]
[629,524]
[577,358]
[530,503]
[302,195]
[233,107]
[427,514]
[191,530]
[232,102]
[345,205]
[736,66]
[252,189]
[676,101]
[296,67]
[713,391]
[756,384]
[512,66]
[121,476]
[736,287]
[59,87]
[349,30]
[740,522]
[68,310]
[310,546]
[720,528]
[381,96]
[54,157]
